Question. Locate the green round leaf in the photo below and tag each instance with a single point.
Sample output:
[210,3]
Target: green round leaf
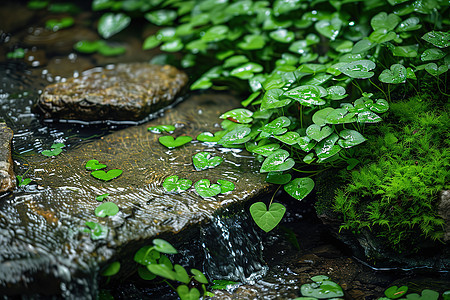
[432,54]
[358,69]
[93,164]
[151,42]
[320,116]
[164,246]
[53,152]
[172,46]
[329,28]
[88,46]
[175,184]
[225,186]
[145,274]
[246,71]
[323,289]
[277,126]
[102,197]
[278,178]
[405,51]
[439,39]
[98,231]
[161,17]
[307,95]
[380,106]
[396,74]
[209,137]
[106,176]
[110,24]
[162,270]
[277,161]
[204,160]
[336,92]
[181,274]
[106,209]
[171,143]
[409,24]
[266,150]
[198,275]
[317,132]
[215,33]
[188,294]
[161,128]
[235,61]
[239,135]
[350,138]
[267,219]
[112,269]
[395,292]
[384,21]
[252,42]
[273,99]
[289,138]
[146,255]
[282,36]
[299,188]
[107,50]
[205,189]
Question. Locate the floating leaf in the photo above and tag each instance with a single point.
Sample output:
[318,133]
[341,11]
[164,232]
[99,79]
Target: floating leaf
[112,269]
[278,178]
[106,176]
[164,246]
[358,69]
[204,160]
[277,161]
[175,184]
[205,189]
[102,197]
[396,74]
[225,186]
[161,128]
[317,132]
[267,219]
[53,152]
[171,143]
[395,292]
[273,99]
[439,39]
[106,209]
[209,137]
[93,164]
[350,138]
[239,115]
[322,288]
[299,188]
[110,24]
[97,231]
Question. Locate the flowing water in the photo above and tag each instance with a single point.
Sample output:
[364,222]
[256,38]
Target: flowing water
[230,247]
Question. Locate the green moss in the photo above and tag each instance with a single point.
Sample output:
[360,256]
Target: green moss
[405,164]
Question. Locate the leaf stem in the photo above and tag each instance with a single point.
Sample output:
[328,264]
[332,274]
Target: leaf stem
[273,196]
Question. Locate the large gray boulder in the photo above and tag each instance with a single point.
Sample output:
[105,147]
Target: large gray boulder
[7,177]
[43,246]
[122,92]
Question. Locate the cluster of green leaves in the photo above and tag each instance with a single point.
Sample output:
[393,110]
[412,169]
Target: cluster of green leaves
[395,192]
[321,288]
[97,172]
[154,263]
[299,70]
[16,54]
[395,292]
[56,149]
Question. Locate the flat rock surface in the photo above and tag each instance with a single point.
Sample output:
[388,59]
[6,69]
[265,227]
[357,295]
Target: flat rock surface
[42,229]
[7,178]
[124,92]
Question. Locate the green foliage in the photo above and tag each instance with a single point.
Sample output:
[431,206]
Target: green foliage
[395,292]
[23,181]
[99,46]
[56,149]
[321,288]
[107,176]
[154,264]
[17,53]
[300,60]
[406,164]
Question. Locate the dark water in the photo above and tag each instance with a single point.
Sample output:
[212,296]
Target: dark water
[268,266]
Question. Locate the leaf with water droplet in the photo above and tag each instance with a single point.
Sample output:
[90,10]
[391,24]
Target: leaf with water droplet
[161,17]
[97,231]
[277,126]
[380,106]
[432,54]
[277,161]
[396,74]
[110,24]
[350,138]
[267,219]
[161,128]
[439,39]
[329,28]
[234,61]
[289,138]
[299,188]
[307,95]
[239,115]
[172,46]
[434,70]
[317,132]
[106,176]
[395,292]
[358,69]
[147,255]
[282,35]
[274,98]
[340,116]
[322,289]
[205,189]
[266,150]
[204,160]
[409,24]
[53,152]
[363,46]
[239,135]
[175,184]
[336,92]
[112,269]
[305,143]
[246,71]
[225,186]
[106,209]
[208,137]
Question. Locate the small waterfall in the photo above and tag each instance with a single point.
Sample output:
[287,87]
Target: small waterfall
[233,249]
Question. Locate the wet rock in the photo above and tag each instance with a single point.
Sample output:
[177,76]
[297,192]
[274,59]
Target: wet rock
[10,22]
[7,177]
[47,224]
[444,213]
[122,92]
